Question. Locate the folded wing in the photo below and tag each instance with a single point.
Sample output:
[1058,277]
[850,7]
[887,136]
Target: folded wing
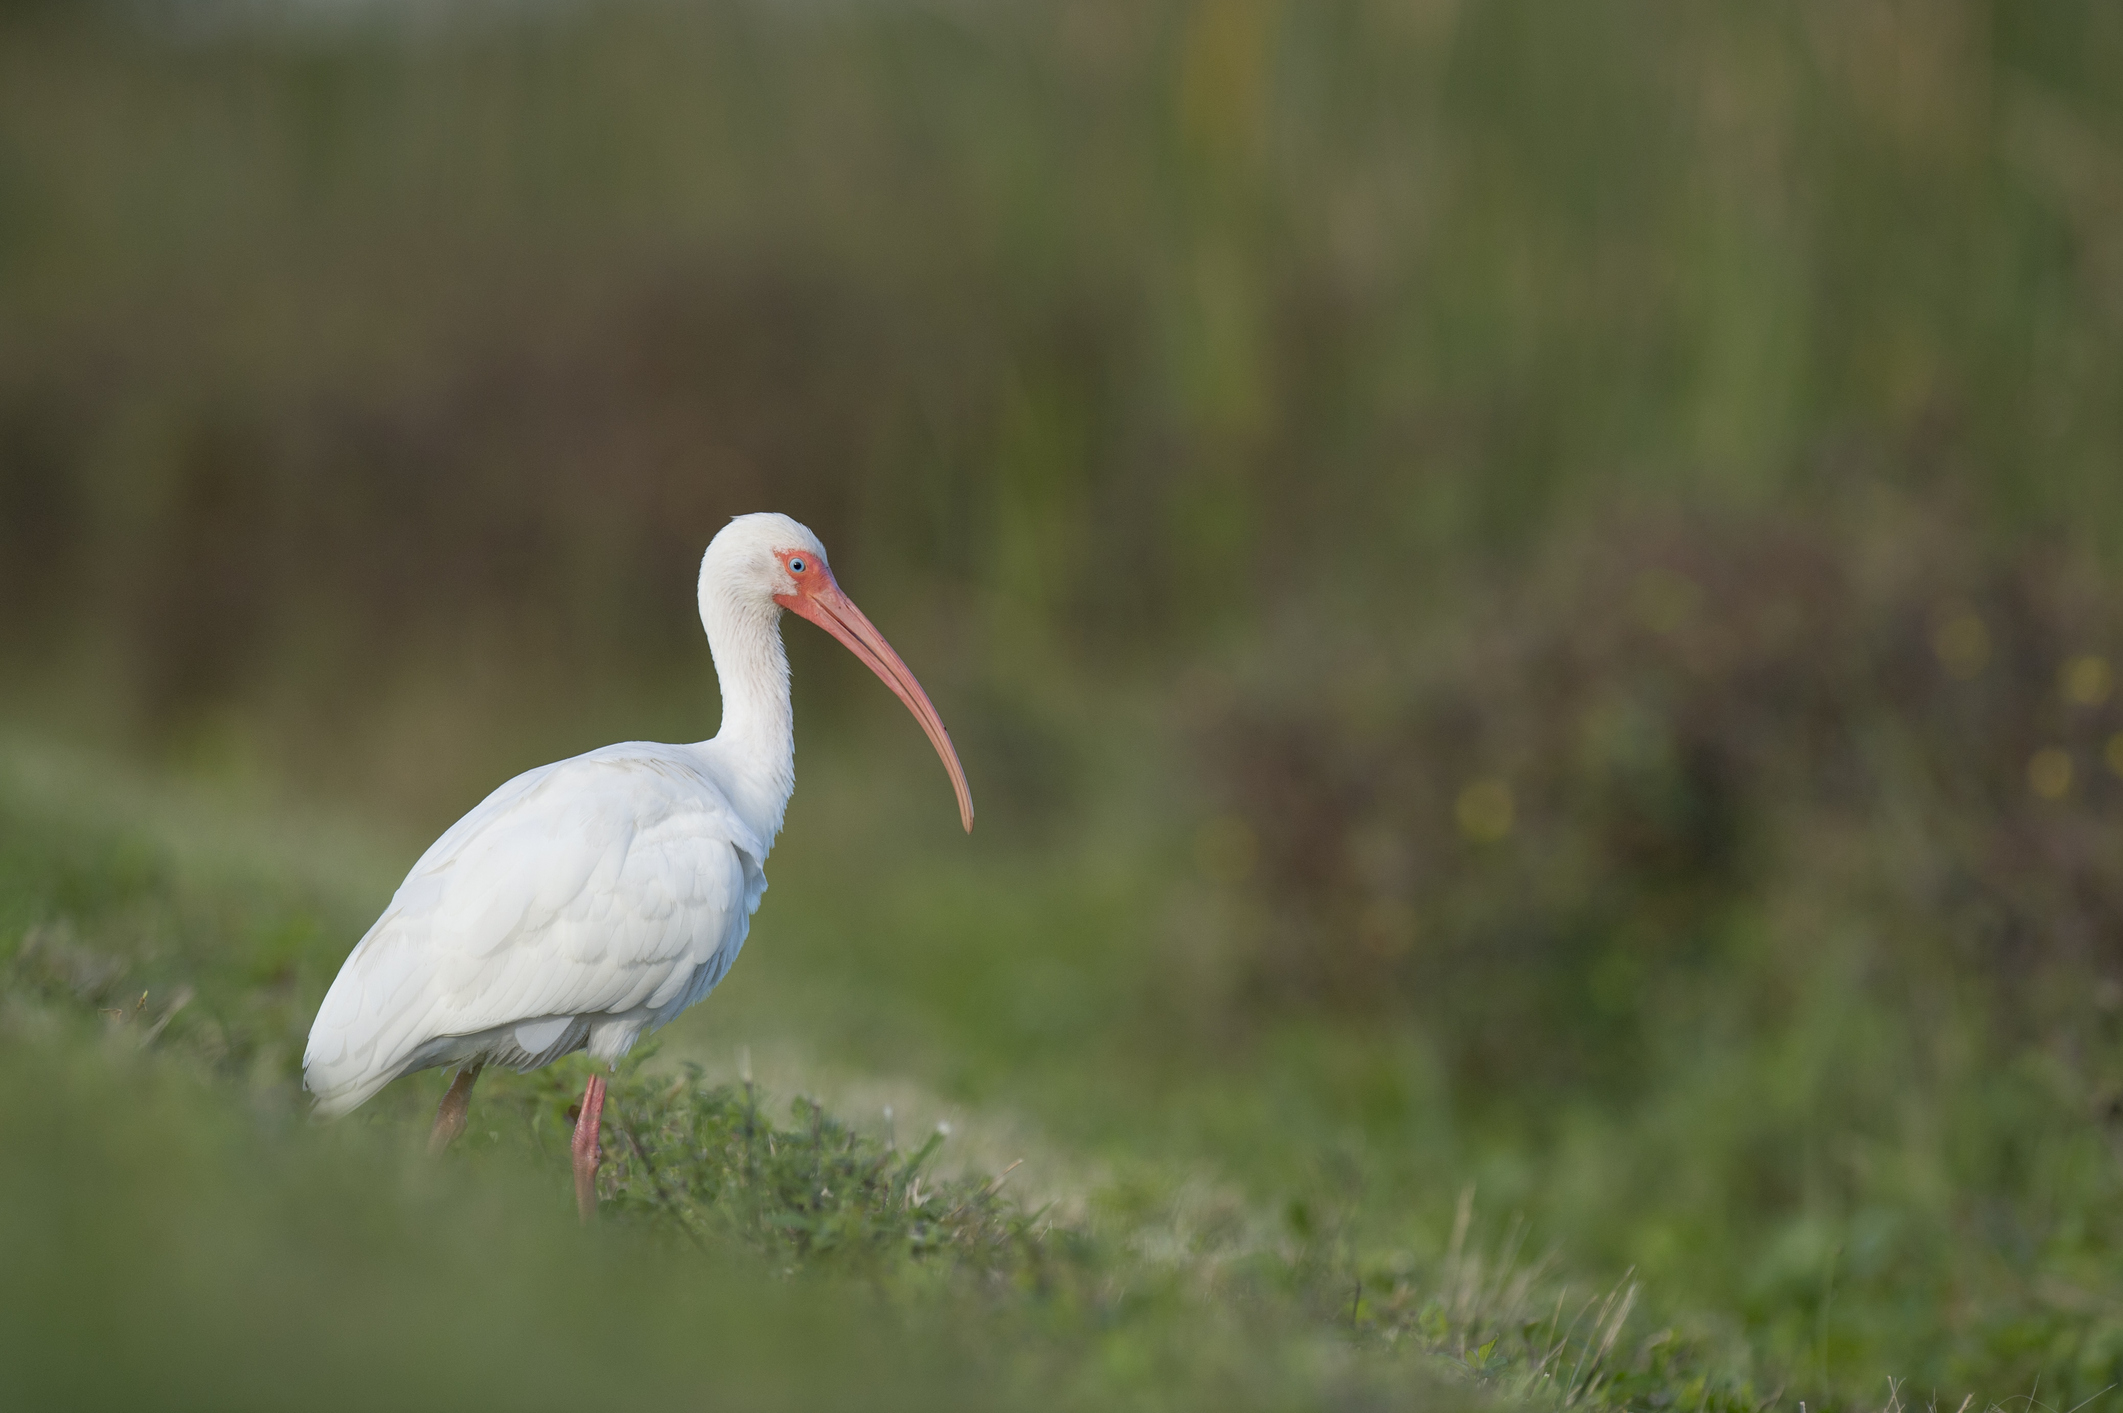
[614,887]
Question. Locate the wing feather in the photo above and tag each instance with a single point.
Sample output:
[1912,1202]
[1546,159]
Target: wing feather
[601,885]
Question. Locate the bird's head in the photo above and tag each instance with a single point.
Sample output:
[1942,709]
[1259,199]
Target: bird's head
[769,561]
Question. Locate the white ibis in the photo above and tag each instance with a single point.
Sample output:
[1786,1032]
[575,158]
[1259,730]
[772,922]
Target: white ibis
[586,903]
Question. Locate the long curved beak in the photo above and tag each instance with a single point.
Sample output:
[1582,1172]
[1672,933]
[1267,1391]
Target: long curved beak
[835,612]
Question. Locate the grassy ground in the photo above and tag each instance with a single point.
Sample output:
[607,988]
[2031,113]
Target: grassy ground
[178,1233]
[1307,1220]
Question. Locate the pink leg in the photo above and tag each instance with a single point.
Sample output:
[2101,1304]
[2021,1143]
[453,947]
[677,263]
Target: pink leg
[584,1146]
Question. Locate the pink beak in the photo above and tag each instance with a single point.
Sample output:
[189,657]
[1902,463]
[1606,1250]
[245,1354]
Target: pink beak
[835,612]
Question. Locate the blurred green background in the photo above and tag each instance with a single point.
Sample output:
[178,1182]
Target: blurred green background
[1528,593]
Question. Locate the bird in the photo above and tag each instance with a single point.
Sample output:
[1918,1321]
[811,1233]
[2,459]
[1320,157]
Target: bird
[586,903]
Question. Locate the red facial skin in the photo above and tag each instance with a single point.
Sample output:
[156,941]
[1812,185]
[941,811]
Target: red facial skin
[814,595]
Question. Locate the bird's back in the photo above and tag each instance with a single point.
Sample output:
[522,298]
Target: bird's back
[582,903]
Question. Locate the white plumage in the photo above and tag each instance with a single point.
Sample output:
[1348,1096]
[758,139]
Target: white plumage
[583,903]
[587,902]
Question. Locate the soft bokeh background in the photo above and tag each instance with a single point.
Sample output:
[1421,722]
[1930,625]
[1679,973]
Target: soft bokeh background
[1529,594]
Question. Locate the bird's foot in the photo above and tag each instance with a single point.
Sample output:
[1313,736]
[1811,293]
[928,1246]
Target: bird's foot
[584,1147]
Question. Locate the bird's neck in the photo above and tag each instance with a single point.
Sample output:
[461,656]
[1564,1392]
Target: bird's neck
[756,746]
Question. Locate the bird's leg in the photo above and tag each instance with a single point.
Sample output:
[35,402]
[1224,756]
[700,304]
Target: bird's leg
[456,1105]
[584,1147]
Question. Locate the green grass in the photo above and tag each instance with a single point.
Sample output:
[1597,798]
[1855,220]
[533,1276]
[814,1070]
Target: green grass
[1296,1223]
[176,1229]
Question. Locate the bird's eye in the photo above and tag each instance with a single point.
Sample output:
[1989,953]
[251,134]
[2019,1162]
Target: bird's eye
[796,566]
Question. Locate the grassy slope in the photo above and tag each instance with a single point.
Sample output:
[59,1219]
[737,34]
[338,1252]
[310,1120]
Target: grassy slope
[177,1233]
[1286,1224]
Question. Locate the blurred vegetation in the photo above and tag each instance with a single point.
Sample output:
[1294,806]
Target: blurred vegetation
[340,348]
[1527,592]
